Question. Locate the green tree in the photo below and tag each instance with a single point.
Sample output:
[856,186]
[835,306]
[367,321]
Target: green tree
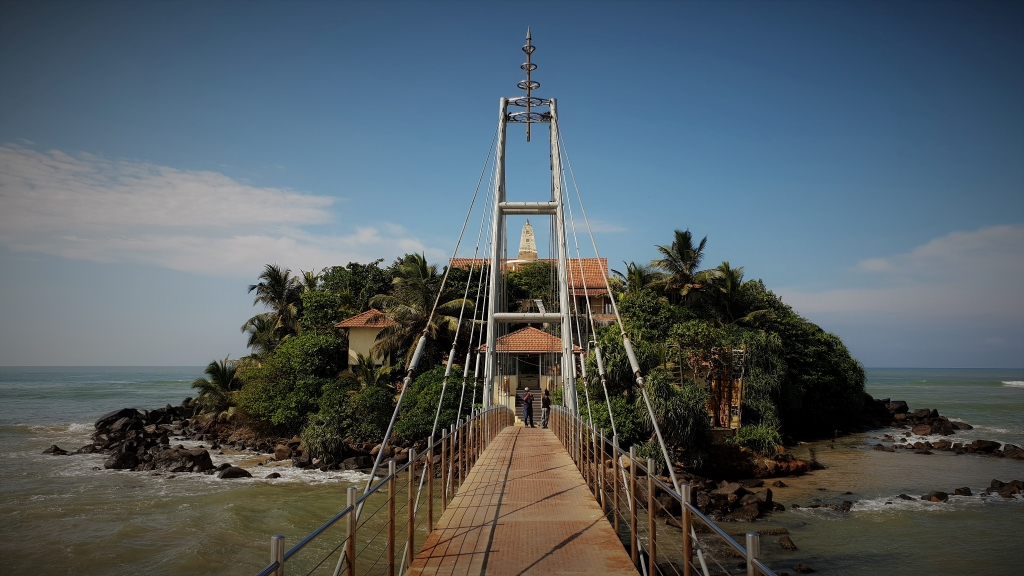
[279,292]
[263,333]
[217,391]
[638,277]
[414,289]
[284,388]
[680,260]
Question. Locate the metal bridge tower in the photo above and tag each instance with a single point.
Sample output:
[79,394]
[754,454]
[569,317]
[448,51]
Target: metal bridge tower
[555,208]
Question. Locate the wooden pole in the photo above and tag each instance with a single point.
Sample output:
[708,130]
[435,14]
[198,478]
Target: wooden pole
[350,544]
[410,553]
[615,483]
[634,554]
[652,526]
[687,523]
[428,469]
[392,494]
[444,471]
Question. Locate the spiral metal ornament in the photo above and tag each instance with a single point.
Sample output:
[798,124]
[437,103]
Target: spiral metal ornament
[529,117]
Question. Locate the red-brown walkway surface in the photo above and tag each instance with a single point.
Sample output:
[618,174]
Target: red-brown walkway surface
[524,509]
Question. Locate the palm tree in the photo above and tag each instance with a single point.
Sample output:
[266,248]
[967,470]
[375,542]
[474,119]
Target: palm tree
[280,293]
[309,281]
[415,288]
[262,331]
[217,393]
[638,277]
[681,260]
[726,286]
[370,374]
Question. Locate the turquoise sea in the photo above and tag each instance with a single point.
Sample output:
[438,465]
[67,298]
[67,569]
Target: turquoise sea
[60,515]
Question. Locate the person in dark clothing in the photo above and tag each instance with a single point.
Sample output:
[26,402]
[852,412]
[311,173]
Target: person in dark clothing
[528,408]
[545,409]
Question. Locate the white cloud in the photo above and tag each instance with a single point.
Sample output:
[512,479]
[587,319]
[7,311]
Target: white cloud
[979,273]
[99,210]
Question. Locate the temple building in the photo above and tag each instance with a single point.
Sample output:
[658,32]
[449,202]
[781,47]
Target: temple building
[586,277]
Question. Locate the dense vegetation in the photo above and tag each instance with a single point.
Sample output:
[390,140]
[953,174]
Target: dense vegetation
[686,324]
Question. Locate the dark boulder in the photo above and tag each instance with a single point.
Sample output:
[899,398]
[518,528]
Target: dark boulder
[282,452]
[898,407]
[965,491]
[747,513]
[922,429]
[106,420]
[779,484]
[904,497]
[356,462]
[957,425]
[302,460]
[935,497]
[727,488]
[802,568]
[87,449]
[273,475]
[787,543]
[668,504]
[121,461]
[182,460]
[922,413]
[233,472]
[983,446]
[55,450]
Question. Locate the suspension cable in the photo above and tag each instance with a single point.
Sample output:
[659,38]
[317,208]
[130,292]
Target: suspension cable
[625,337]
[421,344]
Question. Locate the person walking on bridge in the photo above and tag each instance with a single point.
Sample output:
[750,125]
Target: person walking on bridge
[528,408]
[545,409]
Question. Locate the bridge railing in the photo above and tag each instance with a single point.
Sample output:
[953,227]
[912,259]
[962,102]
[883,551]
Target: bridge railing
[386,519]
[628,490]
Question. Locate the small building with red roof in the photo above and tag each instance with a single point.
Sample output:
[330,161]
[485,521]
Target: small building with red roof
[363,329]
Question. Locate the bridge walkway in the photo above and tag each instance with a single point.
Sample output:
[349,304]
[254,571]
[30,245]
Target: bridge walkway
[523,509]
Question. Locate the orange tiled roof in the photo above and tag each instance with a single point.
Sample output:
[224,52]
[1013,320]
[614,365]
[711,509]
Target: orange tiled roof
[591,277]
[530,340]
[372,318]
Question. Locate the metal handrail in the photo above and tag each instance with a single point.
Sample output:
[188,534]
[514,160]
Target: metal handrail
[466,441]
[580,440]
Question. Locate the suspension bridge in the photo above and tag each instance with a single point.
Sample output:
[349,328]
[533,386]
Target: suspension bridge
[488,495]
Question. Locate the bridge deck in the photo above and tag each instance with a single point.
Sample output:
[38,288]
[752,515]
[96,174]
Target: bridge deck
[524,509]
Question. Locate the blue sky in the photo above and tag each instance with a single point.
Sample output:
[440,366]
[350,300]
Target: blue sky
[865,159]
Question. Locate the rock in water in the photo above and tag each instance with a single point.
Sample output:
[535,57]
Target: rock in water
[935,497]
[744,513]
[182,460]
[965,491]
[273,475]
[282,452]
[55,450]
[922,429]
[787,543]
[121,461]
[802,568]
[107,419]
[233,472]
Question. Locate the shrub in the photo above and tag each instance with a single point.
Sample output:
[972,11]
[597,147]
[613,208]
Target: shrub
[761,438]
[420,404]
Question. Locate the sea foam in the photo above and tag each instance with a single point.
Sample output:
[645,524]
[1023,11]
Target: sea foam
[1014,383]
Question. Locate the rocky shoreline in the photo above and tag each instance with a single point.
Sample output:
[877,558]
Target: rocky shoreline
[140,440]
[926,422]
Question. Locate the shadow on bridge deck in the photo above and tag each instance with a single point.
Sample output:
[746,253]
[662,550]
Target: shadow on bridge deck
[524,509]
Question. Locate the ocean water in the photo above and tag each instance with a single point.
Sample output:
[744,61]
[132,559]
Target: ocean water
[59,515]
